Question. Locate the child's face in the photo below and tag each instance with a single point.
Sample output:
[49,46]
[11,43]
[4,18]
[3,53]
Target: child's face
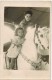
[28,17]
[20,33]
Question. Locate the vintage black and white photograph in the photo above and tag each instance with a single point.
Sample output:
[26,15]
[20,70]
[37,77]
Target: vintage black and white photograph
[26,38]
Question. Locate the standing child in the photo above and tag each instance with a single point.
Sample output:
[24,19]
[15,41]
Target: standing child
[15,48]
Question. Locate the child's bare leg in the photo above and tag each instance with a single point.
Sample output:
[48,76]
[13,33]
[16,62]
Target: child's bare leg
[15,67]
[13,64]
[7,63]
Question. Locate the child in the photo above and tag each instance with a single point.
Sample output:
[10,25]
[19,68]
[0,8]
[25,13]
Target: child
[15,48]
[26,21]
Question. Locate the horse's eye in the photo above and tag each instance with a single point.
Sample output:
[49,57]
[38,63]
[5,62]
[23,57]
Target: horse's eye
[41,35]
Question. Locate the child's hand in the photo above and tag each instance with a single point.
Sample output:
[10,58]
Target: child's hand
[36,26]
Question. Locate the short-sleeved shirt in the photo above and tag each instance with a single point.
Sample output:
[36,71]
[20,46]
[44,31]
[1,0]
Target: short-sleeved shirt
[15,47]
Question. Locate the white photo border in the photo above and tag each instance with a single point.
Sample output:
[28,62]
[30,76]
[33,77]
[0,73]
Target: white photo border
[20,74]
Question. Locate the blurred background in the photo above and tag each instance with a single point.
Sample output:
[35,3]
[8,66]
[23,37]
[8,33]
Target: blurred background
[41,15]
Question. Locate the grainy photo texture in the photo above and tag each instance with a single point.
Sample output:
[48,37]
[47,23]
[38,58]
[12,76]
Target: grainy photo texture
[26,41]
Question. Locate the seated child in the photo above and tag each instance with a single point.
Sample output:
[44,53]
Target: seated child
[26,21]
[15,48]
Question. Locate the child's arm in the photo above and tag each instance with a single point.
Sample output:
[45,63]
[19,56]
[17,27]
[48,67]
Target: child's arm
[20,42]
[15,25]
[21,24]
[12,45]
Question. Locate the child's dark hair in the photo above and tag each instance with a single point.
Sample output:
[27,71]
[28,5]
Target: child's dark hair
[16,34]
[29,12]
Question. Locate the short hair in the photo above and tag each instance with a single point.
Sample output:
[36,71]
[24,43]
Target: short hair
[29,12]
[16,34]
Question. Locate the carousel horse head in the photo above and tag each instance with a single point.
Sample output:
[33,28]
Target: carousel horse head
[42,38]
[42,45]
